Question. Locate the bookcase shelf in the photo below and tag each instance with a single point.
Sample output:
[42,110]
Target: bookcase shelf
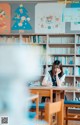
[61,54]
[77,44]
[66,65]
[77,76]
[65,47]
[77,54]
[70,76]
[62,45]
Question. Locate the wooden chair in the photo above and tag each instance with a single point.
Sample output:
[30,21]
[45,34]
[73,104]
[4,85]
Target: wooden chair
[41,105]
[50,109]
[35,110]
[72,115]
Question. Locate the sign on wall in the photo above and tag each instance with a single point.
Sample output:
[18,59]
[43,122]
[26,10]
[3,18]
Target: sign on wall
[5,18]
[71,15]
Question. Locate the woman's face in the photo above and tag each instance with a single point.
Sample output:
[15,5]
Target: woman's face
[57,69]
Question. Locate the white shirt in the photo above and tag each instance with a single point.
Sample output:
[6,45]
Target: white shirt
[48,79]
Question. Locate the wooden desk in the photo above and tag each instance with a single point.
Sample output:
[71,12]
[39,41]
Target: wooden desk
[36,98]
[48,92]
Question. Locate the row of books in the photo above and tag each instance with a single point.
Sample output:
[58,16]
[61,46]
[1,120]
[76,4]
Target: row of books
[12,39]
[35,39]
[64,60]
[77,60]
[77,71]
[77,83]
[78,50]
[38,39]
[61,50]
[68,70]
[62,40]
[78,41]
[68,84]
[26,39]
[9,39]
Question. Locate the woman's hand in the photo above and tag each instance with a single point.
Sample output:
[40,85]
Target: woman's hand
[58,71]
[47,84]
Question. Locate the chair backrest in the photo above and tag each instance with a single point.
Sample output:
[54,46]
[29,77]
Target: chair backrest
[51,108]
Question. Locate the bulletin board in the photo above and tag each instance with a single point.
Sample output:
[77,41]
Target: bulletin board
[38,17]
[48,18]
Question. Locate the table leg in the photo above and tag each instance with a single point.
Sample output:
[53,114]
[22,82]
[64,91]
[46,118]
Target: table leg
[58,96]
[37,107]
[51,96]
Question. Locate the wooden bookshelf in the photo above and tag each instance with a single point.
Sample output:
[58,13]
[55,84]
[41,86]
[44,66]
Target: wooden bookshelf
[54,42]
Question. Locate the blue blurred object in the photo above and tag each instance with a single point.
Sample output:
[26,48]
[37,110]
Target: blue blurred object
[41,105]
[72,102]
[1,106]
[31,115]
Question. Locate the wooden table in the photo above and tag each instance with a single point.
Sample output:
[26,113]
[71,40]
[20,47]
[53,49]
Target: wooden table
[35,97]
[48,92]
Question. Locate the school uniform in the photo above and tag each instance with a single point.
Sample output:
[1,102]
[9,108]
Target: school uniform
[52,79]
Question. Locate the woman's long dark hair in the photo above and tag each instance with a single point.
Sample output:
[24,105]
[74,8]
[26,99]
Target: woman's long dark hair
[59,64]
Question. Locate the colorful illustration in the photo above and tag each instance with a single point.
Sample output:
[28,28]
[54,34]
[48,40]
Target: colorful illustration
[22,19]
[5,18]
[49,20]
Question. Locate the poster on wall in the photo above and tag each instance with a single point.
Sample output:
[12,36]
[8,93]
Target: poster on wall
[71,15]
[22,18]
[75,26]
[5,18]
[47,19]
[72,19]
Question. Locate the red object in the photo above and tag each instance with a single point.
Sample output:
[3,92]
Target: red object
[5,18]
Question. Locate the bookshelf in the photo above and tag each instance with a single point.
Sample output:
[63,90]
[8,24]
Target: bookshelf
[65,47]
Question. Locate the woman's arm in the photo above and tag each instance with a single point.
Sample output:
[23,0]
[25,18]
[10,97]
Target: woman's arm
[44,82]
[61,80]
[47,80]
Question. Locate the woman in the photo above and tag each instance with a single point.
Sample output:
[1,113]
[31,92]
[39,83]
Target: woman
[55,77]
